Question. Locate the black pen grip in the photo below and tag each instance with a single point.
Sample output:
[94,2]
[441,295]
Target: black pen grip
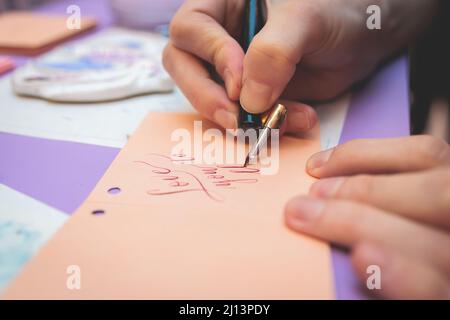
[255,13]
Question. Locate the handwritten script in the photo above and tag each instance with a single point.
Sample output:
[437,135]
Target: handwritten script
[180,174]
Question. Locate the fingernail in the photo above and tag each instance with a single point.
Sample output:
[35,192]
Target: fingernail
[304,209]
[319,159]
[326,188]
[255,96]
[230,84]
[300,120]
[225,119]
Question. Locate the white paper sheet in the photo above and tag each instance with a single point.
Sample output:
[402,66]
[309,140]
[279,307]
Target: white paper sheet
[109,124]
[25,225]
[106,124]
[332,117]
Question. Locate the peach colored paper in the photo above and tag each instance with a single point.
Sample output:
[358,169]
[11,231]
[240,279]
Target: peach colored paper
[24,32]
[225,240]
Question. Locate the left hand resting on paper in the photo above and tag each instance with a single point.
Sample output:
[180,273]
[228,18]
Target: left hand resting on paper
[387,200]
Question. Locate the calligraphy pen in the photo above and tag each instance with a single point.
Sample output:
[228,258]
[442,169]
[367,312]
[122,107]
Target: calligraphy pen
[255,14]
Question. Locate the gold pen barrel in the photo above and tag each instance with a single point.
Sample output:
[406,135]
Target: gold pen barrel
[276,117]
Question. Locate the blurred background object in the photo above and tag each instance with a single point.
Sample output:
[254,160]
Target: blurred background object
[6,64]
[113,64]
[145,14]
[20,4]
[430,78]
[152,15]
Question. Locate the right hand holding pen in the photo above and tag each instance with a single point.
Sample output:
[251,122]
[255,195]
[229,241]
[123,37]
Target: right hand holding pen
[308,50]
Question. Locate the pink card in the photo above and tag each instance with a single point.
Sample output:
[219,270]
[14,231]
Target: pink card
[28,33]
[159,225]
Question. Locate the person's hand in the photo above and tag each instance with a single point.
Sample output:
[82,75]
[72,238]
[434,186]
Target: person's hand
[389,201]
[308,50]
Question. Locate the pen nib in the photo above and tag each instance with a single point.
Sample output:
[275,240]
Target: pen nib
[247,160]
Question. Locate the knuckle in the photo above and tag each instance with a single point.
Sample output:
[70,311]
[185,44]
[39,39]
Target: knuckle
[343,215]
[433,150]
[357,188]
[310,10]
[218,52]
[197,100]
[442,179]
[272,54]
[349,148]
[176,28]
[355,144]
[205,103]
[302,9]
[445,176]
[312,14]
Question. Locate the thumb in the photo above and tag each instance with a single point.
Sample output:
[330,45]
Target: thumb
[292,29]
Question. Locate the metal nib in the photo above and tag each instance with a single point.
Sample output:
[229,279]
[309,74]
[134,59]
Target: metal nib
[247,160]
[273,121]
[260,143]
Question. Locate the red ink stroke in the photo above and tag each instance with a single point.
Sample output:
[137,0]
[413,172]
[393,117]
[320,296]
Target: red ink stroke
[159,170]
[171,158]
[239,169]
[228,182]
[211,172]
[202,188]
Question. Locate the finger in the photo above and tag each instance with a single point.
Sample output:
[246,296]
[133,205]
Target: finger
[401,277]
[349,223]
[380,156]
[197,28]
[274,53]
[195,82]
[300,117]
[422,196]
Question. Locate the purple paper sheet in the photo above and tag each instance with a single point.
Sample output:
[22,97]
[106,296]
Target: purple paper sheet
[379,110]
[59,173]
